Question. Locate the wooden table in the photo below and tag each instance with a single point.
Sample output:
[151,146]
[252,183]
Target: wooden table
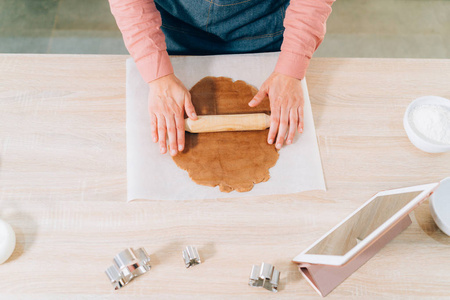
[63,188]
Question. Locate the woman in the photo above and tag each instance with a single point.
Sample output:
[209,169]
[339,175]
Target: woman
[154,29]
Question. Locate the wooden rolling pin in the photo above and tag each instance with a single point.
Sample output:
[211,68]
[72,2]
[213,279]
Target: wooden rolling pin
[217,123]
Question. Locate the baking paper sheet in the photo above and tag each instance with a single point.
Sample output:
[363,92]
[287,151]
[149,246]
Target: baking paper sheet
[154,176]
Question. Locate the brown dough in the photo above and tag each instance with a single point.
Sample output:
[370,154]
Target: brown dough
[232,160]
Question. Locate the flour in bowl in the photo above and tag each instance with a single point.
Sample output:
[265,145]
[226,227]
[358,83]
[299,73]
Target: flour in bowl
[432,121]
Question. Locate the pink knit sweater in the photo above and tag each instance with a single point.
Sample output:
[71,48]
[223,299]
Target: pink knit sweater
[140,23]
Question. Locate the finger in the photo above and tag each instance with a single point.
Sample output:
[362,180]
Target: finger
[154,127]
[189,107]
[172,133]
[300,119]
[293,124]
[259,97]
[179,123]
[162,134]
[274,122]
[282,129]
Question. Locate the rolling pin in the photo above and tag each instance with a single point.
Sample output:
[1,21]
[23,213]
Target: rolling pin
[217,123]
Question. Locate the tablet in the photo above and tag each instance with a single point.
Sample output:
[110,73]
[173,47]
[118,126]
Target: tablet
[365,225]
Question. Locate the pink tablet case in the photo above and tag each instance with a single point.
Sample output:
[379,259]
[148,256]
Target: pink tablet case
[324,278]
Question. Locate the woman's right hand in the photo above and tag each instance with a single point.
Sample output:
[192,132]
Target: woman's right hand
[168,98]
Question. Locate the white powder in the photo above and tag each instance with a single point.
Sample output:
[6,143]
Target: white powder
[432,121]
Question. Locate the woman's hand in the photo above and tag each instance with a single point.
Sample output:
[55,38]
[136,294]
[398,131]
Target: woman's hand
[286,105]
[168,98]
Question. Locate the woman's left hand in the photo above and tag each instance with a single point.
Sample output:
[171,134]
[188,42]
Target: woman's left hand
[286,105]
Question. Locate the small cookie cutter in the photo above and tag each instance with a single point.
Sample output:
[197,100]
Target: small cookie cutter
[191,257]
[265,276]
[129,264]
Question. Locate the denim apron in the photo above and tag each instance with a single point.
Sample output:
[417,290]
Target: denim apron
[203,27]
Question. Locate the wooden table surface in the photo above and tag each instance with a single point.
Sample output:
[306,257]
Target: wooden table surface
[63,188]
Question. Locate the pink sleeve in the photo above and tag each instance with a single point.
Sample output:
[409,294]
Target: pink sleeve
[304,31]
[140,24]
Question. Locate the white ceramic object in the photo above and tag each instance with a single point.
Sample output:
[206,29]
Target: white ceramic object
[7,241]
[440,206]
[417,138]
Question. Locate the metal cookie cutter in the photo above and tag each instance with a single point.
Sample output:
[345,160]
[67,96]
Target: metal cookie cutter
[191,257]
[129,264]
[265,276]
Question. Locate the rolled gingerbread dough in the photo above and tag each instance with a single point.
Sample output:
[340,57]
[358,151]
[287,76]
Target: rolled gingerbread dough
[231,160]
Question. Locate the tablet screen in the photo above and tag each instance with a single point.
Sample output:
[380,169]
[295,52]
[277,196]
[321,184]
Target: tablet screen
[361,224]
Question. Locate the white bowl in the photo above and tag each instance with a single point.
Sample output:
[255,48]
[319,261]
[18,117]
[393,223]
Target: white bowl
[7,241]
[440,206]
[417,138]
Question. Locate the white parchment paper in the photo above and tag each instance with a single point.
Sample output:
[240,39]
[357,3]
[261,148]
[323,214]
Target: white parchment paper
[154,176]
